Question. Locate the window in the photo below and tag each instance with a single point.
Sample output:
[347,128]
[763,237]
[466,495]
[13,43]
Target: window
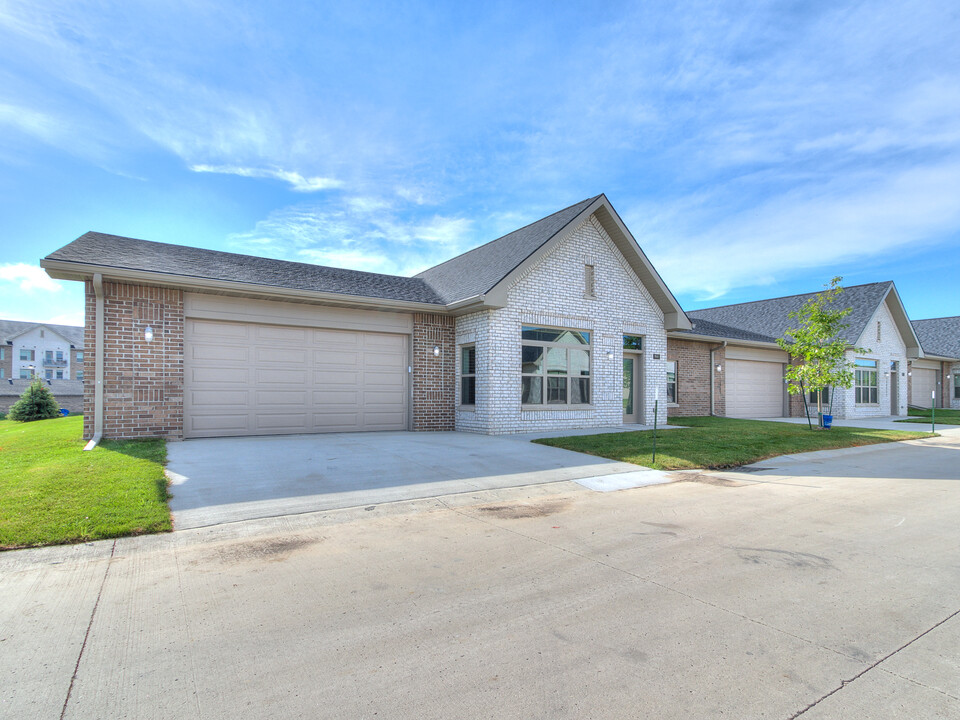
[824,396]
[3,353]
[589,281]
[78,374]
[865,382]
[671,381]
[956,384]
[632,342]
[59,355]
[24,373]
[79,355]
[2,373]
[48,356]
[27,355]
[49,374]
[59,374]
[555,367]
[468,375]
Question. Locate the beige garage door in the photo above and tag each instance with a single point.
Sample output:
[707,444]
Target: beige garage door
[754,389]
[252,379]
[922,383]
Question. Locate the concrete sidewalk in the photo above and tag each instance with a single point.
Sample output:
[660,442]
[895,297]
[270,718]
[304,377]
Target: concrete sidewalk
[813,590]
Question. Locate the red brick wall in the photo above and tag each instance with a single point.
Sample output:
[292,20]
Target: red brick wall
[143,382]
[693,378]
[434,378]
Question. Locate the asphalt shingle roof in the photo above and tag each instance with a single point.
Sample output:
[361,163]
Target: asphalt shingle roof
[767,320]
[10,328]
[16,386]
[939,336]
[122,252]
[475,272]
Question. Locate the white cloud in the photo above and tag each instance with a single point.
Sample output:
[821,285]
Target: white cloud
[298,182]
[836,225]
[362,233]
[29,278]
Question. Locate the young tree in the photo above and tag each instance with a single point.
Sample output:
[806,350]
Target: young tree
[816,342]
[36,403]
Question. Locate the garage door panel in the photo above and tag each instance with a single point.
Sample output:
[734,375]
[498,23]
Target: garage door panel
[220,398]
[292,380]
[219,376]
[280,334]
[286,356]
[337,339]
[754,389]
[219,422]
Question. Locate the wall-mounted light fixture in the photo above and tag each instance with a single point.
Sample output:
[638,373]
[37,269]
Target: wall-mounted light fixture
[148,334]
[610,355]
[436,351]
[909,374]
[719,368]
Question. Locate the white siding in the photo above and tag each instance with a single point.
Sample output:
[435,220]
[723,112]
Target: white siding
[552,294]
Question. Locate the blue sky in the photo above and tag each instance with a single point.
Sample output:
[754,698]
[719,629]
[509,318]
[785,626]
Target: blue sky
[754,149]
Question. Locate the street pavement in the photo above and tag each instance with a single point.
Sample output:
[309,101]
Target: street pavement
[813,587]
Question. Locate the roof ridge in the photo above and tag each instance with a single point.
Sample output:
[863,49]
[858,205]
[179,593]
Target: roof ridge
[590,201]
[787,297]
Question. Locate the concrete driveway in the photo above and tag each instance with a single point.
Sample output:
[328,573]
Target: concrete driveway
[228,479]
[814,590]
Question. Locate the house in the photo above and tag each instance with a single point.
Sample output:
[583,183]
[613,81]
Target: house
[729,364]
[68,393]
[52,352]
[560,324]
[936,378]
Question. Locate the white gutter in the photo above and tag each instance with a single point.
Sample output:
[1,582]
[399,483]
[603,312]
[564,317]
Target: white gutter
[98,365]
[712,351]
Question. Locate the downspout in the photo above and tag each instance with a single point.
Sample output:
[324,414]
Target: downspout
[98,365]
[712,351]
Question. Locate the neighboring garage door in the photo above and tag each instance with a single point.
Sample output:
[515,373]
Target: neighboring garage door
[754,389]
[258,379]
[922,383]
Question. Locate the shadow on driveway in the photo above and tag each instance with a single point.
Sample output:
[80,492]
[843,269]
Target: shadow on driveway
[221,480]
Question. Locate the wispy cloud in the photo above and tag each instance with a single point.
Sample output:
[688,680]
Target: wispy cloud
[29,278]
[838,225]
[369,233]
[297,182]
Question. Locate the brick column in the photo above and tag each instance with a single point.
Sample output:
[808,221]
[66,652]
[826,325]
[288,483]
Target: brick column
[143,381]
[434,377]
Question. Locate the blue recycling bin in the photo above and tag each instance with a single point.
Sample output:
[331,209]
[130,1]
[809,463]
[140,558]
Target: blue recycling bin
[64,412]
[827,422]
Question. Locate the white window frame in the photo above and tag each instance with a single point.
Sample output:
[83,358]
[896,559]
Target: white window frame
[31,355]
[25,373]
[667,370]
[870,389]
[545,376]
[465,376]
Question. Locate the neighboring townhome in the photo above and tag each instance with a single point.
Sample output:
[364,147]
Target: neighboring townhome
[729,364]
[51,352]
[936,378]
[561,324]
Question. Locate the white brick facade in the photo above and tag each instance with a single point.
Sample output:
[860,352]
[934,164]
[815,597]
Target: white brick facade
[889,348]
[552,294]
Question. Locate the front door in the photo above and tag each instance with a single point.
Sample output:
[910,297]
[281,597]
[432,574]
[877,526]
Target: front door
[894,387]
[631,389]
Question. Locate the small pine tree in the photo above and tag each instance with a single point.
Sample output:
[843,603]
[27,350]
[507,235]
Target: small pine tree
[36,403]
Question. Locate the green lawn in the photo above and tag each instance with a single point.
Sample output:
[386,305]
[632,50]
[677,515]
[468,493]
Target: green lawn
[943,417]
[714,442]
[51,491]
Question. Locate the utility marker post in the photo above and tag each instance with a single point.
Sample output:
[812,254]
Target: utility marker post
[933,411]
[656,409]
